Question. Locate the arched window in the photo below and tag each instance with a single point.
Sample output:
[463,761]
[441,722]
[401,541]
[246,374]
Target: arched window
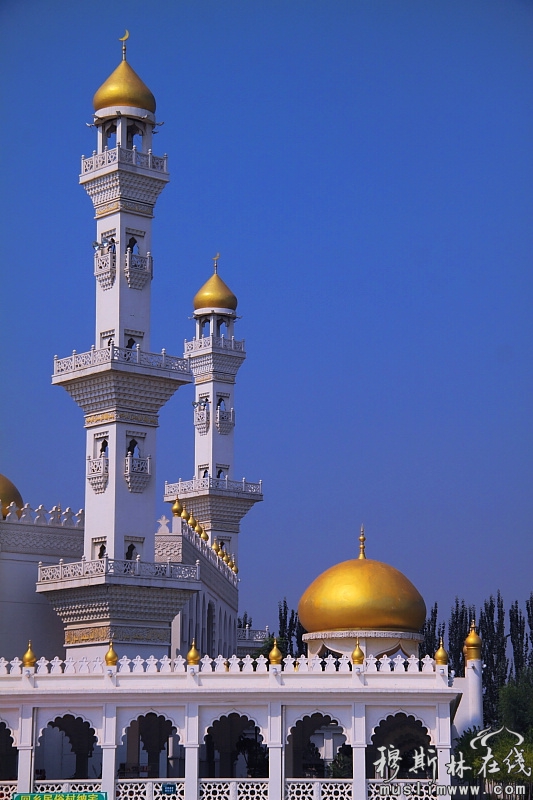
[133,448]
[102,551]
[317,749]
[130,552]
[234,749]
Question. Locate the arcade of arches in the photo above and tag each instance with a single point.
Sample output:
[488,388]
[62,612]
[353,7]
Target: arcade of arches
[232,747]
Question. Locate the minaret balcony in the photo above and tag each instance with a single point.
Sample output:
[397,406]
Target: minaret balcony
[120,356]
[105,269]
[225,421]
[207,484]
[202,418]
[122,156]
[113,570]
[214,343]
[137,473]
[138,269]
[98,473]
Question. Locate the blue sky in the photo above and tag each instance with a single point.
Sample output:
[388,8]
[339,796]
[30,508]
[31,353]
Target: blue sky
[366,171]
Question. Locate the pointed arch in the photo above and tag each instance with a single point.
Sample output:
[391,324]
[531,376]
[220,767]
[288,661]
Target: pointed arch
[407,735]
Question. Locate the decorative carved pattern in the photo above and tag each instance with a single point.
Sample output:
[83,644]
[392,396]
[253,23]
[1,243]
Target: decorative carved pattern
[98,473]
[225,421]
[201,420]
[52,787]
[122,633]
[225,365]
[105,269]
[114,566]
[121,416]
[120,390]
[220,484]
[125,188]
[7,789]
[241,789]
[296,789]
[122,355]
[138,269]
[137,473]
[121,155]
[215,343]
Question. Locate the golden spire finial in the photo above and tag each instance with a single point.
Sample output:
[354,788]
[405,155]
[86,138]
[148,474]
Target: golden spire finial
[193,656]
[29,659]
[358,657]
[275,656]
[362,540]
[215,262]
[123,40]
[441,656]
[111,657]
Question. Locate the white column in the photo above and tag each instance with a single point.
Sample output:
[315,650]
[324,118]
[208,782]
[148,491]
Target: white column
[473,674]
[109,749]
[359,751]
[26,750]
[275,752]
[191,752]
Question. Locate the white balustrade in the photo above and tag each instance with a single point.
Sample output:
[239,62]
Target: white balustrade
[180,488]
[215,342]
[113,566]
[40,516]
[120,155]
[7,789]
[248,634]
[207,551]
[403,789]
[53,787]
[318,789]
[233,789]
[123,355]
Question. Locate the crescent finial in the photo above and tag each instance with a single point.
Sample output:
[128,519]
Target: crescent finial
[123,40]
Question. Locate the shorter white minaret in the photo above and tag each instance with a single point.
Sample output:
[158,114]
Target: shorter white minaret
[474,677]
[217,501]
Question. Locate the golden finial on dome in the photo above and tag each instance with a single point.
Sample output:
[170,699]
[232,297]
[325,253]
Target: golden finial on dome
[192,522]
[235,568]
[215,293]
[472,647]
[362,540]
[198,528]
[185,515]
[275,656]
[111,657]
[204,535]
[227,557]
[177,508]
[124,87]
[216,547]
[441,655]
[358,657]
[193,656]
[29,659]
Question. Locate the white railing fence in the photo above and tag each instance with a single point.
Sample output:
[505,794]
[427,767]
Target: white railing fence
[319,789]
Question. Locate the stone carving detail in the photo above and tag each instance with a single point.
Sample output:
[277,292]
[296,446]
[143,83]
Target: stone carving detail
[121,416]
[105,269]
[123,633]
[138,269]
[202,420]
[137,473]
[98,473]
[225,421]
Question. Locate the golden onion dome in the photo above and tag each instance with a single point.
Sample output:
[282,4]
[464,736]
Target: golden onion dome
[29,659]
[177,508]
[358,657]
[216,547]
[111,657]
[472,646]
[193,656]
[124,88]
[9,494]
[362,594]
[215,294]
[441,656]
[275,656]
[185,515]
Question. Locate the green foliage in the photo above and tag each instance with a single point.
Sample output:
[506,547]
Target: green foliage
[342,764]
[519,639]
[245,620]
[255,754]
[290,630]
[431,631]
[516,704]
[493,654]
[458,628]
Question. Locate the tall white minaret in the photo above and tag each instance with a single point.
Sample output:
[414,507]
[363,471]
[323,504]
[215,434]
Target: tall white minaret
[121,385]
[215,499]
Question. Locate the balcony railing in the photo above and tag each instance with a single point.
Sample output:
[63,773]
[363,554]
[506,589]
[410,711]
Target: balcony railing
[120,155]
[173,490]
[248,634]
[216,342]
[113,566]
[122,355]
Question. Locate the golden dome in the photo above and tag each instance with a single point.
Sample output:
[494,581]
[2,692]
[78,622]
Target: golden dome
[111,657]
[124,88]
[215,294]
[9,494]
[362,594]
[29,659]
[441,656]
[193,656]
[472,646]
[275,656]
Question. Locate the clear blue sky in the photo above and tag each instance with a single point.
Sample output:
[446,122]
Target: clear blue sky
[366,171]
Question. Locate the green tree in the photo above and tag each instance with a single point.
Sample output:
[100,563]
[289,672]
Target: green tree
[516,704]
[431,630]
[245,620]
[458,628]
[493,654]
[529,612]
[519,639]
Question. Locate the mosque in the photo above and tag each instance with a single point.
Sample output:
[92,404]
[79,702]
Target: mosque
[137,682]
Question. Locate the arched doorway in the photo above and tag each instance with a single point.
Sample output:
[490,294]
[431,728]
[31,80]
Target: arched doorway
[150,749]
[67,748]
[317,748]
[8,755]
[397,743]
[233,748]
